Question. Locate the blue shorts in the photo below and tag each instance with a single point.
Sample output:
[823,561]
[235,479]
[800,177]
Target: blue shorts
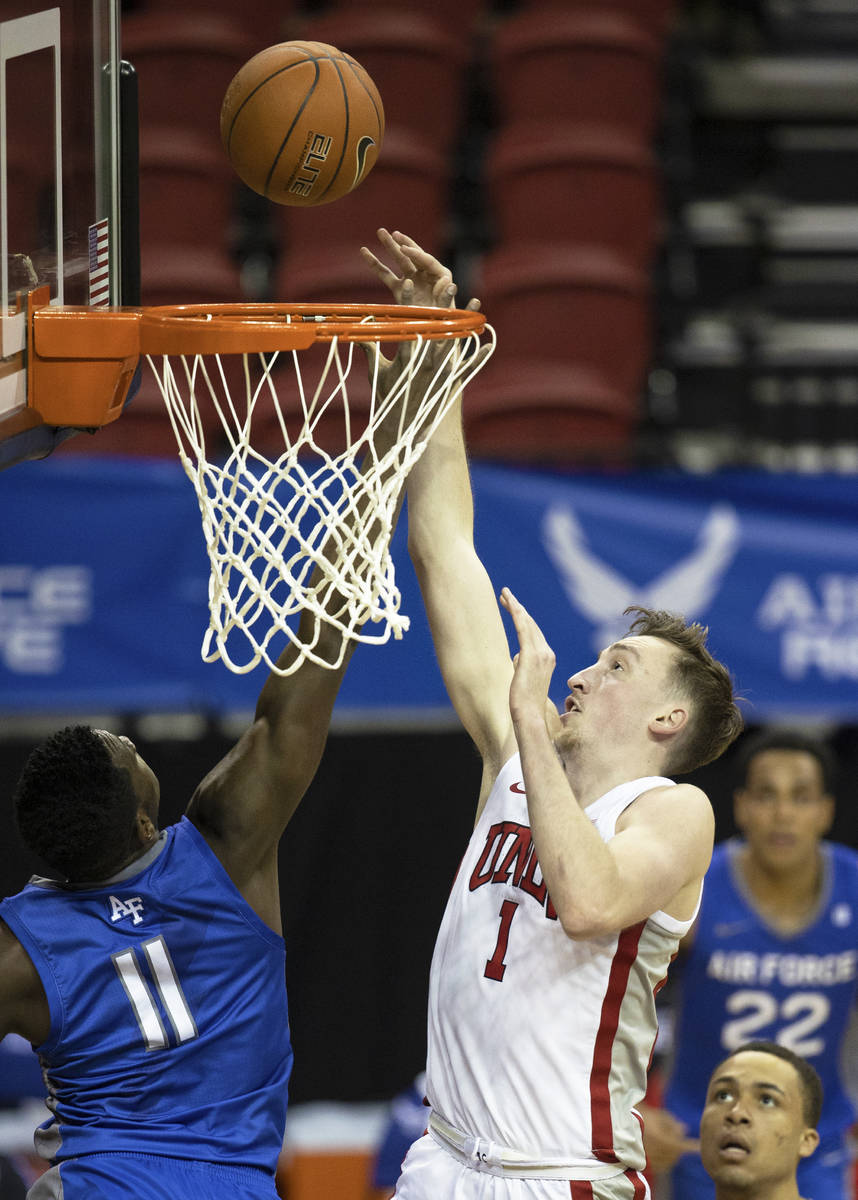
[150,1177]
[826,1175]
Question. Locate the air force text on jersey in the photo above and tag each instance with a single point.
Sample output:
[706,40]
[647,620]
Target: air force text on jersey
[789,970]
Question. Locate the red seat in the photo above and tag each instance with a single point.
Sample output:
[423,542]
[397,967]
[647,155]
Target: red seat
[578,304]
[529,410]
[417,64]
[266,21]
[655,15]
[328,275]
[406,189]
[185,61]
[592,66]
[187,189]
[459,17]
[178,274]
[584,184]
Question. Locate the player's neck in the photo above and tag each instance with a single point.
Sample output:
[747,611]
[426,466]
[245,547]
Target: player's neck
[785,1190]
[786,897]
[591,776]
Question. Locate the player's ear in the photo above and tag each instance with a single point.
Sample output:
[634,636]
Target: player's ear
[669,723]
[144,826]
[808,1143]
[826,815]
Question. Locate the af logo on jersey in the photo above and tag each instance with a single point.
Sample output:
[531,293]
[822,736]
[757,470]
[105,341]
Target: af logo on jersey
[132,907]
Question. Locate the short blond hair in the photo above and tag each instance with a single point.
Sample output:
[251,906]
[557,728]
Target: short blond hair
[714,720]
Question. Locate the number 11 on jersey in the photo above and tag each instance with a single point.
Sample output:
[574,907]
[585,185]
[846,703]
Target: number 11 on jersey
[169,989]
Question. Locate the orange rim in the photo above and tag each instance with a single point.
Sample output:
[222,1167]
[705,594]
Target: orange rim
[258,328]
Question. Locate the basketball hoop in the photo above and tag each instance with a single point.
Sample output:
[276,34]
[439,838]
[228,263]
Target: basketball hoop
[269,512]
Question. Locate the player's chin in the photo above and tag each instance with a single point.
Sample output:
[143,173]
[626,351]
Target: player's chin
[727,1173]
[566,738]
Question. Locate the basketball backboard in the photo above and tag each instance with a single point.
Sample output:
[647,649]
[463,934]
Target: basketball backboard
[68,176]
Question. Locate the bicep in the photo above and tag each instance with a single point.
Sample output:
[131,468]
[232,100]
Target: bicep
[244,804]
[665,847]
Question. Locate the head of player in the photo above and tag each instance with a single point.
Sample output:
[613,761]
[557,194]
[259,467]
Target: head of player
[783,805]
[86,803]
[656,698]
[762,1108]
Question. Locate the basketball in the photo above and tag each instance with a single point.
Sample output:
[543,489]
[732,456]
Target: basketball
[302,123]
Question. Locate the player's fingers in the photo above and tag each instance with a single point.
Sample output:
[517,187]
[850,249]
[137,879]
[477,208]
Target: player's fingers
[382,270]
[404,240]
[399,251]
[423,259]
[375,358]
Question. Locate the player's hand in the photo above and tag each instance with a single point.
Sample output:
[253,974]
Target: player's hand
[418,278]
[534,667]
[665,1138]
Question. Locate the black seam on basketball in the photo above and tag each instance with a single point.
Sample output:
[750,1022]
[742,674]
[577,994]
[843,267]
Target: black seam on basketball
[336,173]
[304,104]
[300,63]
[359,74]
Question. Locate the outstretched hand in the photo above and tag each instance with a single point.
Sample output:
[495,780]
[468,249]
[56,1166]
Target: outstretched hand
[419,278]
[534,667]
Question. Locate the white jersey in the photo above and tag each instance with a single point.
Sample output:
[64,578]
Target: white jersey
[538,1042]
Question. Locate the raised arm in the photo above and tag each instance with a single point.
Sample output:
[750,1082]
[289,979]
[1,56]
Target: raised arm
[663,844]
[461,606]
[244,804]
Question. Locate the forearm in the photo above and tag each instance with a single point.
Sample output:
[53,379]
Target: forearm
[579,871]
[440,501]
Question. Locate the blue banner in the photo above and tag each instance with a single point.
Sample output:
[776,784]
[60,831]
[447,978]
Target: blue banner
[104,584]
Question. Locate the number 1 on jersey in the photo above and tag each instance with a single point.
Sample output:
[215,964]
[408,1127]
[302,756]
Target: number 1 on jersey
[496,966]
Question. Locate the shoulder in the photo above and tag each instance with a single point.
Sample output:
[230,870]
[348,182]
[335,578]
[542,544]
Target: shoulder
[843,855]
[22,997]
[673,820]
[669,802]
[845,863]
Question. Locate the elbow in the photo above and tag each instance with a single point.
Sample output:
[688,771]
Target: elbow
[584,922]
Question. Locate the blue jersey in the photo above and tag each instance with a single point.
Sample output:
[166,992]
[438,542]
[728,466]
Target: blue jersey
[169,1031]
[742,981]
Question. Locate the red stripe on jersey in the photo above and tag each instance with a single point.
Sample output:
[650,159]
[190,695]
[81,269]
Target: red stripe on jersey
[640,1187]
[580,1189]
[602,1129]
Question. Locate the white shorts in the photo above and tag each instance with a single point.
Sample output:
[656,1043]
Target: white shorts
[430,1173]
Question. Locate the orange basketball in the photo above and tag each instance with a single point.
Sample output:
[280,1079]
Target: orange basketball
[302,123]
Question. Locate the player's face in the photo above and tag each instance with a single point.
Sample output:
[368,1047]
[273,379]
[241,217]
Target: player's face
[783,809]
[145,784]
[752,1132]
[617,697]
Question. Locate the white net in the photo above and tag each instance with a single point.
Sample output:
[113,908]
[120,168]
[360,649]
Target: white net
[305,529]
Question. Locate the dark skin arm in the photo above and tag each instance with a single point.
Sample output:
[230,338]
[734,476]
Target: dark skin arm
[244,804]
[23,1004]
[246,801]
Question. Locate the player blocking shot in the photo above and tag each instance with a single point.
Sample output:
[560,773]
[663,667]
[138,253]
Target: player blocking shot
[148,973]
[584,869]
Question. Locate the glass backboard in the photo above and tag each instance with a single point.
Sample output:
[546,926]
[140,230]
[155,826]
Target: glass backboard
[62,103]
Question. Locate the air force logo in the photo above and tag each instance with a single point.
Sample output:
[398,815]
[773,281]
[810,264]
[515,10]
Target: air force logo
[132,907]
[601,593]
